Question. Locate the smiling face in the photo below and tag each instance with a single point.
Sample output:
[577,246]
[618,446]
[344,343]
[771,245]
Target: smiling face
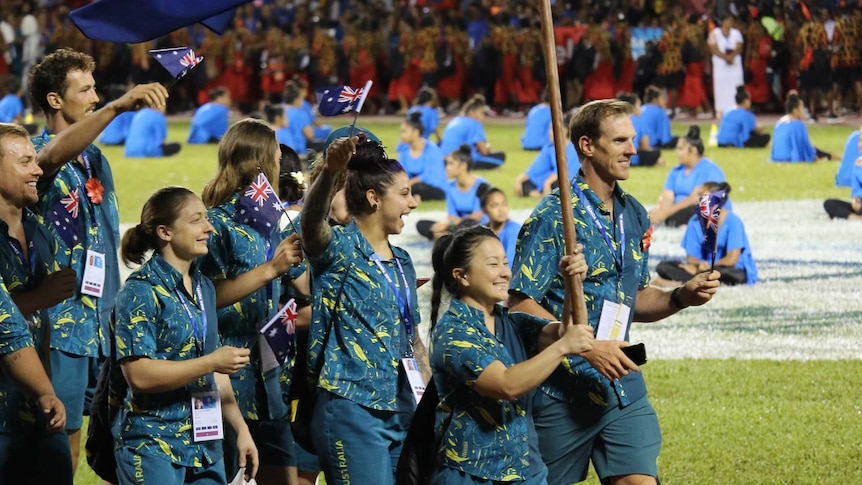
[19,172]
[79,98]
[610,155]
[395,202]
[188,236]
[486,279]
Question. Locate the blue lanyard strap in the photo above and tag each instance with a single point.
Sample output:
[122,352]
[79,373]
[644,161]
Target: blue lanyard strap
[200,339]
[618,255]
[269,253]
[403,306]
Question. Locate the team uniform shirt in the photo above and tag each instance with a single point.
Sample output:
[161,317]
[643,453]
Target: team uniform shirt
[356,305]
[682,184]
[656,124]
[147,133]
[537,275]
[297,120]
[11,107]
[731,235]
[844,176]
[790,142]
[152,321]
[462,204]
[428,166]
[488,438]
[209,122]
[429,118]
[509,238]
[537,127]
[545,164]
[117,130]
[463,130]
[14,336]
[234,249]
[736,127]
[80,323]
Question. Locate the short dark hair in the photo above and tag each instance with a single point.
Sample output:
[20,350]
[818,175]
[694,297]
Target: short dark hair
[49,76]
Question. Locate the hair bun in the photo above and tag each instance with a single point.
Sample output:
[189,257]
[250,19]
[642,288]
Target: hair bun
[693,132]
[368,153]
[415,117]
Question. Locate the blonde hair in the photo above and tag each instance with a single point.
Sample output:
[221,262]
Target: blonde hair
[248,147]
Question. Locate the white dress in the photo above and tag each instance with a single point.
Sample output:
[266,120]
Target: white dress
[725,78]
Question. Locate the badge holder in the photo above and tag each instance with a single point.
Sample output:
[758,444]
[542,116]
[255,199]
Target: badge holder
[206,416]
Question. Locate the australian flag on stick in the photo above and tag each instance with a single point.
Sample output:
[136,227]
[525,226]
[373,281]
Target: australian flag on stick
[178,61]
[259,206]
[280,332]
[339,100]
[709,210]
[63,217]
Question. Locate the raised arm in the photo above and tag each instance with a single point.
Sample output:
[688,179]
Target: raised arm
[316,233]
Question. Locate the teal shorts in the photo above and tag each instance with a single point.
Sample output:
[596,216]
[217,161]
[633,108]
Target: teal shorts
[624,441]
[70,375]
[139,469]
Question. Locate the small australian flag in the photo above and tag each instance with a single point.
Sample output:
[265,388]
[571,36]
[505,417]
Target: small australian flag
[259,206]
[63,216]
[338,100]
[280,332]
[178,61]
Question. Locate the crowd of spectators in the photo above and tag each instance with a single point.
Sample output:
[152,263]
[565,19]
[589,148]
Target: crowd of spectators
[488,47]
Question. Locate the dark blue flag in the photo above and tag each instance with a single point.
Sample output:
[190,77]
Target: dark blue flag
[63,217]
[177,60]
[133,22]
[259,206]
[280,332]
[339,100]
[709,209]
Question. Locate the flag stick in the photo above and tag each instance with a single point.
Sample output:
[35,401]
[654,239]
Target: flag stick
[353,125]
[574,286]
[365,90]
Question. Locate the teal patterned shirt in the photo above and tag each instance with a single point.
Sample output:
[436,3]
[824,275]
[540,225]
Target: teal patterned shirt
[486,438]
[536,274]
[152,322]
[14,336]
[356,305]
[80,323]
[234,249]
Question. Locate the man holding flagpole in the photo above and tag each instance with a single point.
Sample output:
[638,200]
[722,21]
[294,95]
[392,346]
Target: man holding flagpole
[77,199]
[580,415]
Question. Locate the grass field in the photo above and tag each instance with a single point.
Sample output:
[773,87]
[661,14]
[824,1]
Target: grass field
[761,386]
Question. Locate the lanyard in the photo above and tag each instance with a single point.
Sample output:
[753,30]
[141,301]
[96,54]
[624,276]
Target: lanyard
[269,252]
[31,253]
[200,340]
[619,256]
[403,306]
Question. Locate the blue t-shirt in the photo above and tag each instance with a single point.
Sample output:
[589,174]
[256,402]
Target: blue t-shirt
[639,132]
[736,127]
[297,120]
[656,125]
[462,130]
[11,107]
[429,117]
[209,122]
[731,236]
[856,189]
[117,130]
[844,177]
[462,204]
[509,239]
[790,142]
[545,164]
[429,166]
[152,320]
[682,184]
[147,134]
[537,127]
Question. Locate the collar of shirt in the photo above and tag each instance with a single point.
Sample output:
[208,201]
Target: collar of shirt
[619,194]
[364,247]
[472,315]
[171,279]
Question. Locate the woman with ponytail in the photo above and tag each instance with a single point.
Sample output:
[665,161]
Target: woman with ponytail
[791,142]
[422,160]
[467,129]
[365,313]
[480,367]
[682,188]
[167,346]
[246,261]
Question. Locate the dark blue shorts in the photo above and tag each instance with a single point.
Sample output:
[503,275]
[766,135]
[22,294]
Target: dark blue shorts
[36,457]
[139,469]
[70,375]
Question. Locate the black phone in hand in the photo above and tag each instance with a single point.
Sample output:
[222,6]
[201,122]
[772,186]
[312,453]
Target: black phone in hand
[636,353]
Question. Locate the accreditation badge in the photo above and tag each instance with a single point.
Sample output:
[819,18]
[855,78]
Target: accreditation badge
[206,416]
[614,322]
[414,377]
[93,283]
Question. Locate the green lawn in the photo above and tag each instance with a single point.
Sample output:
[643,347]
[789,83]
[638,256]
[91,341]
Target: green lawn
[723,421]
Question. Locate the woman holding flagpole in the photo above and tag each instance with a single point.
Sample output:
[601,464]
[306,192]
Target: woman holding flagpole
[248,255]
[364,315]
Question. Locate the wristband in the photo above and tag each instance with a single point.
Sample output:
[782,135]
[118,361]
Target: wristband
[674,298]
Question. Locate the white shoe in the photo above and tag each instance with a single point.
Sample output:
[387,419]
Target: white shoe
[704,116]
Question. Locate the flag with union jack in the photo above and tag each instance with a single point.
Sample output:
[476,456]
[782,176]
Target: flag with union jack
[178,61]
[709,209]
[338,100]
[63,218]
[259,206]
[280,332]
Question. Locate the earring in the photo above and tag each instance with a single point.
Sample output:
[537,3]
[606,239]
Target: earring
[374,207]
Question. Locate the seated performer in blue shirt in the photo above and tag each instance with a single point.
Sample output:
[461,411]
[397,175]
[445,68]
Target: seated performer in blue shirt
[496,210]
[646,156]
[209,123]
[656,121]
[738,127]
[422,160]
[148,133]
[541,176]
[844,177]
[300,126]
[840,209]
[426,106]
[467,129]
[733,258]
[536,127]
[791,142]
[118,129]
